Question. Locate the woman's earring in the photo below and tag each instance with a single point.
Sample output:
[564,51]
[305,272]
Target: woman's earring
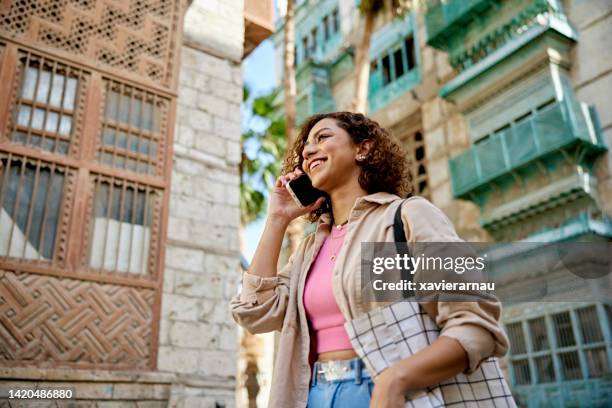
[360,158]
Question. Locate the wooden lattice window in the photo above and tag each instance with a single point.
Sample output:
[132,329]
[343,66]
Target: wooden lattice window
[545,369]
[522,375]
[396,62]
[133,129]
[335,20]
[31,197]
[46,104]
[597,361]
[564,329]
[590,329]
[539,335]
[415,148]
[86,119]
[314,43]
[409,133]
[517,338]
[567,345]
[123,226]
[326,28]
[570,365]
[305,48]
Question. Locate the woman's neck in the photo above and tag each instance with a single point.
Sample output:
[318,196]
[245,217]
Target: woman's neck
[343,199]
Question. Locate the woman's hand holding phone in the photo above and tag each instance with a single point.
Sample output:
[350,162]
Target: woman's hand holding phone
[282,209]
[282,206]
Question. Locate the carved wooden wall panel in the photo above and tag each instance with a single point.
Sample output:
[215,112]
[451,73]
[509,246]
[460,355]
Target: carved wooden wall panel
[135,36]
[51,319]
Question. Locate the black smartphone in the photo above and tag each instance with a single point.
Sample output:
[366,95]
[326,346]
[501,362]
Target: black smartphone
[303,192]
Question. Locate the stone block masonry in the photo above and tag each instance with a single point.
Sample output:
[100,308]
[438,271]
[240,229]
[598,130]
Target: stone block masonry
[198,339]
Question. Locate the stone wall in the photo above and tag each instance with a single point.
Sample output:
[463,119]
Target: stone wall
[592,76]
[198,338]
[91,388]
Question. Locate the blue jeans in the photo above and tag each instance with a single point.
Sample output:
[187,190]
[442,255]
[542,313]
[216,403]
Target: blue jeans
[352,392]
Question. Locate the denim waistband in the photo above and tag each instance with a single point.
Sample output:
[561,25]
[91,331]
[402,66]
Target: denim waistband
[353,369]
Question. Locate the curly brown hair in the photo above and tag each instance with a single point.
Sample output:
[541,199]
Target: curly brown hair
[385,168]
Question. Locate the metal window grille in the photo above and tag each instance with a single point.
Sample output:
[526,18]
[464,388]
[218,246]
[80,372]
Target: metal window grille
[563,329]
[122,226]
[590,329]
[31,194]
[46,104]
[570,365]
[522,375]
[517,338]
[544,369]
[597,361]
[131,134]
[539,337]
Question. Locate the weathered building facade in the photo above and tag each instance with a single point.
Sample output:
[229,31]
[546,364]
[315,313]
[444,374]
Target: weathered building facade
[504,107]
[119,193]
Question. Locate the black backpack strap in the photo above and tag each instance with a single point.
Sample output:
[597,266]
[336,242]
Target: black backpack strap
[398,230]
[401,246]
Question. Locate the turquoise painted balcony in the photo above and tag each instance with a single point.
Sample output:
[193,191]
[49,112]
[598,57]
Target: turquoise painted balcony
[555,128]
[314,91]
[443,17]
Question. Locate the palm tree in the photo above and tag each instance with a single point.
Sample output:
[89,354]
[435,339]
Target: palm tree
[289,79]
[265,140]
[295,230]
[258,173]
[371,9]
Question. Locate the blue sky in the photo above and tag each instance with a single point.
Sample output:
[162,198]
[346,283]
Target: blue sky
[258,74]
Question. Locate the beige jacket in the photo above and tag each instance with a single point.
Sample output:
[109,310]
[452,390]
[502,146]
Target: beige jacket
[275,303]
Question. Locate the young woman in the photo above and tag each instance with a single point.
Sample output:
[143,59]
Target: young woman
[363,170]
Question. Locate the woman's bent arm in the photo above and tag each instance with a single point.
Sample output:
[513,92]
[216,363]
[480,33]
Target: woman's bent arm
[260,307]
[266,255]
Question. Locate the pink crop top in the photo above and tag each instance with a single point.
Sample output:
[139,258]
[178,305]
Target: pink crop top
[322,310]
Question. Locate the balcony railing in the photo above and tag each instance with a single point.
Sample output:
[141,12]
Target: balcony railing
[558,126]
[314,91]
[444,16]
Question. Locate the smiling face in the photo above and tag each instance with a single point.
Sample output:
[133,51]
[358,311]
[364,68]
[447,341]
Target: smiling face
[330,156]
[357,157]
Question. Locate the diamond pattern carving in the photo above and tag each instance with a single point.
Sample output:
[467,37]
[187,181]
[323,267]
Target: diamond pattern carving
[132,35]
[67,321]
